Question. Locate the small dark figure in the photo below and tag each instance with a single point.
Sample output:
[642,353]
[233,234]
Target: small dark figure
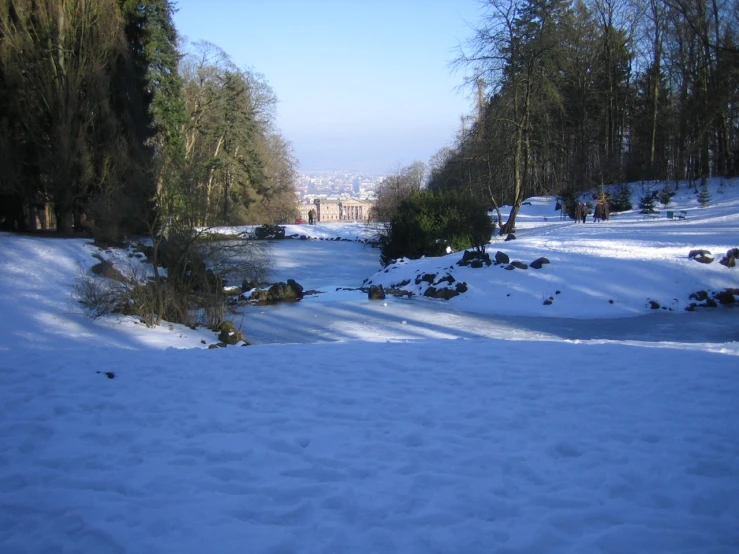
[601,211]
[311,217]
[584,212]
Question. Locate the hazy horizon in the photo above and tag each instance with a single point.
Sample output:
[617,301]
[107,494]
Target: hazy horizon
[362,86]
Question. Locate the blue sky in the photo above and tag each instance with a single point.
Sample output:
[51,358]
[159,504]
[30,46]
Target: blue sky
[362,84]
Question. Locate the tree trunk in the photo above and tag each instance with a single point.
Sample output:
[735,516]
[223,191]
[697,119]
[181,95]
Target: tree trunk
[209,184]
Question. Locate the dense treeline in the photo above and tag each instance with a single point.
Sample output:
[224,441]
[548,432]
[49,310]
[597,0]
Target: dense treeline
[576,95]
[105,123]
[239,167]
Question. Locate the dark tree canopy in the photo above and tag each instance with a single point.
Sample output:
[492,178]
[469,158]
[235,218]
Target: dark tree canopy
[103,126]
[575,95]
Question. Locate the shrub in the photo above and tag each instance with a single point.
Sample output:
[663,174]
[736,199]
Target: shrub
[190,291]
[427,223]
[98,297]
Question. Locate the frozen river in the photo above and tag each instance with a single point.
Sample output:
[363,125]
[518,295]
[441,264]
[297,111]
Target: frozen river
[334,315]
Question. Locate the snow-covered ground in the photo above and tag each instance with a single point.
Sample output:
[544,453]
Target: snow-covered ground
[603,427]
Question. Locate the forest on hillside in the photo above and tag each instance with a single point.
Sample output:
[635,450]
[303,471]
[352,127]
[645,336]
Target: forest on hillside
[575,95]
[108,121]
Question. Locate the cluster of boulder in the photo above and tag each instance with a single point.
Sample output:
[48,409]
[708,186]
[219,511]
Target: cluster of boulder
[228,335]
[474,258]
[260,293]
[704,299]
[278,292]
[251,292]
[478,259]
[705,257]
[441,287]
[446,286]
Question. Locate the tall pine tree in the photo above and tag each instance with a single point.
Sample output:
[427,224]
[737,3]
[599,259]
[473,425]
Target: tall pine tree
[152,40]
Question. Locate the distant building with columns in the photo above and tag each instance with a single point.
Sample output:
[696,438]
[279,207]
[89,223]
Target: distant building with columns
[330,211]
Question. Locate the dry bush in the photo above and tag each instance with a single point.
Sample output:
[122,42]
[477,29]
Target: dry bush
[97,296]
[190,291]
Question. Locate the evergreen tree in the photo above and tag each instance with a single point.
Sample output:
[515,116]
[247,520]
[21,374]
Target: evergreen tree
[704,196]
[152,40]
[647,202]
[425,223]
[622,198]
[666,194]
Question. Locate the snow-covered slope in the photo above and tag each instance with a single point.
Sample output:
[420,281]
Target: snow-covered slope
[111,442]
[433,446]
[37,276]
[597,270]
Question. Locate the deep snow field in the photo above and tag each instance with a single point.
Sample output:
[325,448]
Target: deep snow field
[408,425]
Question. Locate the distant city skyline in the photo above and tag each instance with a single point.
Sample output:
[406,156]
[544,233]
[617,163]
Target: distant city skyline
[337,185]
[363,85]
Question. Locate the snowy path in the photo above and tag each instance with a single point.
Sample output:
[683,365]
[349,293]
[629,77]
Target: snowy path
[482,446]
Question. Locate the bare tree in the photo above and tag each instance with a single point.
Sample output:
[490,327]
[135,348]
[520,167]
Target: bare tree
[400,185]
